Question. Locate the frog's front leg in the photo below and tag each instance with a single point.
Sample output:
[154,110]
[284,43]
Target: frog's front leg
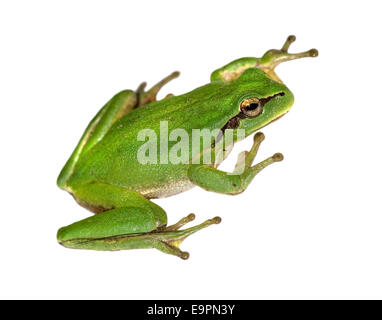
[216,180]
[129,222]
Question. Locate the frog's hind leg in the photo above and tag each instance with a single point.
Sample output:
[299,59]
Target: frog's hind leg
[236,182]
[169,240]
[126,220]
[107,232]
[145,97]
[122,103]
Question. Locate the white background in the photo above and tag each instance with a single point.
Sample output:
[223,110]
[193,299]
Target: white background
[308,227]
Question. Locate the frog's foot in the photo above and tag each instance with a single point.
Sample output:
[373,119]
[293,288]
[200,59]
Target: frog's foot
[272,58]
[236,182]
[244,168]
[149,96]
[169,240]
[246,158]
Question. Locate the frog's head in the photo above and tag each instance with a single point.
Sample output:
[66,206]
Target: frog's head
[257,100]
[260,97]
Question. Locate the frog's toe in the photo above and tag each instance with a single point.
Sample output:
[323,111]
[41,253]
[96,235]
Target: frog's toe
[277,157]
[181,223]
[149,96]
[184,255]
[288,42]
[169,239]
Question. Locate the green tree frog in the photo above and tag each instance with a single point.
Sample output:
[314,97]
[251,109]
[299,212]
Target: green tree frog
[104,175]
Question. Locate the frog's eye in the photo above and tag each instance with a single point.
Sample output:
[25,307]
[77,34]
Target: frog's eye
[251,107]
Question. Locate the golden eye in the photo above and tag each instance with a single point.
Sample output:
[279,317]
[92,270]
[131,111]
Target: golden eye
[251,107]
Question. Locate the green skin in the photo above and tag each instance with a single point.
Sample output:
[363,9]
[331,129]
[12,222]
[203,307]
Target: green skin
[104,175]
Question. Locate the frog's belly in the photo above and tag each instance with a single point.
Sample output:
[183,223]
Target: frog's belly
[152,181]
[166,190]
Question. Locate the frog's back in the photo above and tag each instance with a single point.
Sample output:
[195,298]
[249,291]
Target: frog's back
[114,159]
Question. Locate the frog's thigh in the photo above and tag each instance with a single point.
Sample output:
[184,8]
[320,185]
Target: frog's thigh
[121,104]
[98,197]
